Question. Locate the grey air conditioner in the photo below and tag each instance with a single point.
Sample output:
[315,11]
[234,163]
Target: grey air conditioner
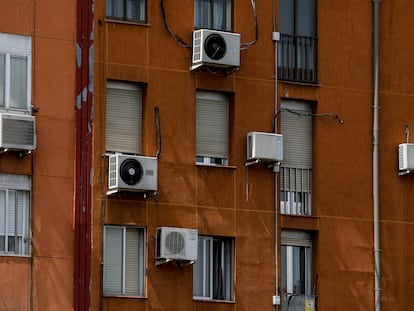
[264,147]
[215,48]
[17,132]
[132,173]
[176,244]
[405,158]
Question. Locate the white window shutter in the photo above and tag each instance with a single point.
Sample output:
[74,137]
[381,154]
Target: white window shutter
[123,117]
[212,125]
[2,212]
[132,262]
[113,260]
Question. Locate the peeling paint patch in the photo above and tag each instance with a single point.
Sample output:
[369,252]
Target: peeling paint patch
[91,65]
[85,94]
[78,56]
[78,102]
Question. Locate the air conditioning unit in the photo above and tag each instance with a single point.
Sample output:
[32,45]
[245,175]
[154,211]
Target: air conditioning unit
[405,158]
[17,132]
[264,147]
[216,49]
[176,244]
[132,173]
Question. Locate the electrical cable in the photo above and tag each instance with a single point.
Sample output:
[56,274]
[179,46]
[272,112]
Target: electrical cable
[253,2]
[174,35]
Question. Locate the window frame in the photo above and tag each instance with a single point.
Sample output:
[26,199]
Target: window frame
[141,258]
[215,149]
[19,47]
[124,4]
[10,183]
[209,22]
[296,168]
[207,256]
[296,240]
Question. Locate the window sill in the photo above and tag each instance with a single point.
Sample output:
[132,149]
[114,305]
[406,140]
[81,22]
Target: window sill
[201,299]
[123,296]
[216,165]
[6,255]
[126,22]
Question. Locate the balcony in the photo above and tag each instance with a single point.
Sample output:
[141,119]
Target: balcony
[297,58]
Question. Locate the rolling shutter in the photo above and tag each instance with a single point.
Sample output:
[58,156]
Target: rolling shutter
[123,117]
[212,125]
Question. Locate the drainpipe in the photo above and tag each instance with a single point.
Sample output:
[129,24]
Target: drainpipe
[375,162]
[275,38]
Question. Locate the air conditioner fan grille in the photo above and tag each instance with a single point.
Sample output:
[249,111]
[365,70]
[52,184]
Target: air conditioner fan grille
[174,242]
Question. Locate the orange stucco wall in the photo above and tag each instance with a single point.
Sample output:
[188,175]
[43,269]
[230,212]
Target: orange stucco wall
[45,280]
[239,201]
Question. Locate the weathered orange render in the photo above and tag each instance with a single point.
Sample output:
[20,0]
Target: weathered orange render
[230,201]
[44,281]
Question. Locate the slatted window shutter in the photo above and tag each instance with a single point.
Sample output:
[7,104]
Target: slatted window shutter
[212,125]
[132,262]
[305,18]
[113,259]
[123,117]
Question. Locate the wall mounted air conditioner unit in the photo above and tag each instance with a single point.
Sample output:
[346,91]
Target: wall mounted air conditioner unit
[132,173]
[17,132]
[215,49]
[176,244]
[264,147]
[405,158]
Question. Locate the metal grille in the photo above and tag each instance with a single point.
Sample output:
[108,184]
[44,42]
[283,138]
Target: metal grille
[174,242]
[297,58]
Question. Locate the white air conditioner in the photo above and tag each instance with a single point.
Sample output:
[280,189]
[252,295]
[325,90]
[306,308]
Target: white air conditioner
[405,158]
[216,49]
[132,173]
[176,244]
[264,147]
[17,132]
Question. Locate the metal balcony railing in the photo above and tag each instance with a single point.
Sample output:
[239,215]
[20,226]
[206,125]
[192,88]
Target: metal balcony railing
[295,191]
[297,58]
[298,303]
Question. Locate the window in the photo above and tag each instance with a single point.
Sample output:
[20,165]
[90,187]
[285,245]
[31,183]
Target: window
[14,214]
[128,10]
[124,260]
[213,14]
[297,50]
[296,267]
[212,128]
[15,72]
[213,270]
[296,168]
[123,117]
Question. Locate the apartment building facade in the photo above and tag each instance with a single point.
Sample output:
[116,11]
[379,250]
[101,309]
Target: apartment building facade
[198,155]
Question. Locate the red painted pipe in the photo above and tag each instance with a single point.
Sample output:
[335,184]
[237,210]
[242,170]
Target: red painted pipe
[83,161]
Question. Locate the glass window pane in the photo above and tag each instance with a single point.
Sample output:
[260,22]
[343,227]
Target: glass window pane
[136,10]
[18,82]
[2,244]
[2,78]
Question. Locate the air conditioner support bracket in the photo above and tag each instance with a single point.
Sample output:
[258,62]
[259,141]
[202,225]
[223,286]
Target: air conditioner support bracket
[162,261]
